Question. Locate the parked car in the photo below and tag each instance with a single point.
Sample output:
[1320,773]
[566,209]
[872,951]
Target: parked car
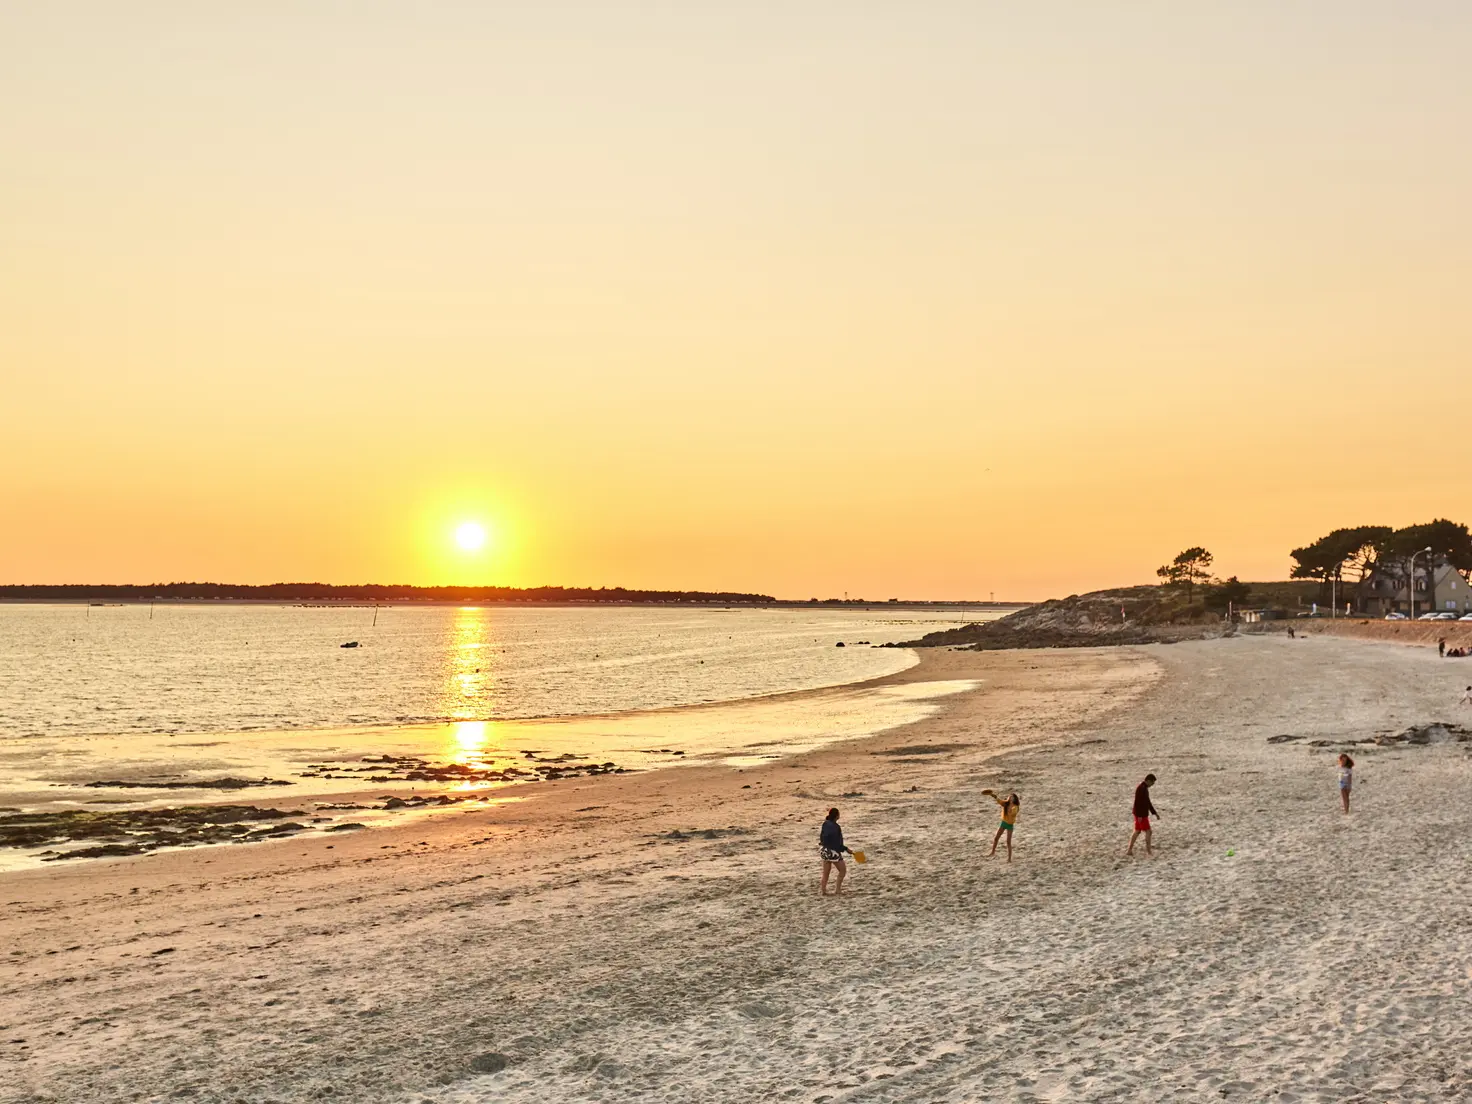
[1465,617]
[1429,617]
[1445,615]
[1396,617]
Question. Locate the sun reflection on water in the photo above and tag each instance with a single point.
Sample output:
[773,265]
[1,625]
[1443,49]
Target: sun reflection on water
[470,743]
[468,682]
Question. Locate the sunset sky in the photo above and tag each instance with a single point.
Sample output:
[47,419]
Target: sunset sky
[921,300]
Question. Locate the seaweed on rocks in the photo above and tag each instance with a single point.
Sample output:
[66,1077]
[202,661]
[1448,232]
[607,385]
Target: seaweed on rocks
[1437,732]
[409,768]
[204,784]
[135,831]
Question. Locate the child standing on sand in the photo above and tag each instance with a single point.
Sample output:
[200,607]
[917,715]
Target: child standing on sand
[832,851]
[1143,810]
[1011,806]
[1346,779]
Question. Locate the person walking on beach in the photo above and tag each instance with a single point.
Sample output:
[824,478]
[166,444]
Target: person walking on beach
[1011,806]
[1346,779]
[1144,809]
[1466,696]
[832,851]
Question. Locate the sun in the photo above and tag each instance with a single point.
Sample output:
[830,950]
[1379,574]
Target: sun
[471,536]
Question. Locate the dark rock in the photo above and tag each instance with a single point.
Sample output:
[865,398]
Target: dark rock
[923,749]
[107,850]
[345,827]
[1437,732]
[490,1062]
[134,831]
[207,784]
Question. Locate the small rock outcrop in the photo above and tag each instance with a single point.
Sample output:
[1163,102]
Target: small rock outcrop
[1130,615]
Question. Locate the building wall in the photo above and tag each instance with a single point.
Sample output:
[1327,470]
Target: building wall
[1379,595]
[1451,591]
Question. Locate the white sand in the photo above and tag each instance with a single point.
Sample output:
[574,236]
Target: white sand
[1329,959]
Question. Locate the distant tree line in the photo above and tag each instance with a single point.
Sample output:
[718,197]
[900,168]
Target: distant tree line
[371,592]
[1351,555]
[1341,559]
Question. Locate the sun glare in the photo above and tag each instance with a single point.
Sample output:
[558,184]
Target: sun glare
[471,536]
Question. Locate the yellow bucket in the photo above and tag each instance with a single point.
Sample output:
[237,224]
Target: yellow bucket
[859,857]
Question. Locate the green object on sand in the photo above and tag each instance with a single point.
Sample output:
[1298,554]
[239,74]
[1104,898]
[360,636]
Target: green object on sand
[1230,854]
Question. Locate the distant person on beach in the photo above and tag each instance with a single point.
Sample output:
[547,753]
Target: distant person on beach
[1143,810]
[832,850]
[1467,696]
[1441,647]
[1346,779]
[1011,806]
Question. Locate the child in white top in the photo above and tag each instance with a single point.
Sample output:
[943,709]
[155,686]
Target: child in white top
[1346,779]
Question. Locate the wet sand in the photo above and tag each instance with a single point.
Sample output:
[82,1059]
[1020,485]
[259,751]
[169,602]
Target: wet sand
[159,794]
[658,936]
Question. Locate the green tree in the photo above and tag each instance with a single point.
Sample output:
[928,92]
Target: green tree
[1191,567]
[1231,592]
[1357,550]
[1449,541]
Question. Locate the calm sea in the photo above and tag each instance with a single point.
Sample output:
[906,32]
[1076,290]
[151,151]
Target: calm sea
[194,693]
[73,670]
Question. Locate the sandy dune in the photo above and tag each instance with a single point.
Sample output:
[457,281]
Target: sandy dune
[658,937]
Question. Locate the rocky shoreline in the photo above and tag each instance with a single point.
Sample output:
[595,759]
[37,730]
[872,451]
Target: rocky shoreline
[122,832]
[409,768]
[136,831]
[1129,615]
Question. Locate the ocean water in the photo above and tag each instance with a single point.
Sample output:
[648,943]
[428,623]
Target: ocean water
[196,692]
[73,670]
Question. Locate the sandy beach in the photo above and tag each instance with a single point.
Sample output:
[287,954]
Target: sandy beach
[658,936]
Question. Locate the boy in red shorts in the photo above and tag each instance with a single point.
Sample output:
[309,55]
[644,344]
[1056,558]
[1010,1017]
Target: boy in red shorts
[1143,811]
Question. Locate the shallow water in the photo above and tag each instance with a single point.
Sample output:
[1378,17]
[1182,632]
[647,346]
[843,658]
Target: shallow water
[117,670]
[202,693]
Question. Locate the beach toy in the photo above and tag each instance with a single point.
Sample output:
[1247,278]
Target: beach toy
[859,857]
[1230,854]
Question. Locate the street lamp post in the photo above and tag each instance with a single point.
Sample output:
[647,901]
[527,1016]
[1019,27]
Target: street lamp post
[1411,582]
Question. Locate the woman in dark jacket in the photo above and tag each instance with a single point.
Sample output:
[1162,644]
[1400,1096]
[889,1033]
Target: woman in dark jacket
[832,850]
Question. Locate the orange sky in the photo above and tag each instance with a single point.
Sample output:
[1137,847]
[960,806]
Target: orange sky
[918,300]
